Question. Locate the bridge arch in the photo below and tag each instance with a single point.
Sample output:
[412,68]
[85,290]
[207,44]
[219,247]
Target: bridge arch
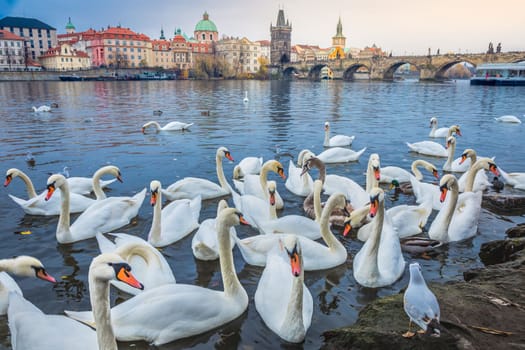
[440,72]
[315,71]
[349,71]
[389,72]
[290,72]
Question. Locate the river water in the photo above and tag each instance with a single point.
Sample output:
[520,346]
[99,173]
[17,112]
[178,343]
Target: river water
[99,123]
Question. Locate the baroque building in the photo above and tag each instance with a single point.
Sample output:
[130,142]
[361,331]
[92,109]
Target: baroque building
[241,54]
[281,40]
[11,51]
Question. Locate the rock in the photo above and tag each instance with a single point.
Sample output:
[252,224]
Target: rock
[487,312]
[516,231]
[497,252]
[506,204]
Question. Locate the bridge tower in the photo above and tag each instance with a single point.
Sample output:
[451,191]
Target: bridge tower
[281,43]
[338,43]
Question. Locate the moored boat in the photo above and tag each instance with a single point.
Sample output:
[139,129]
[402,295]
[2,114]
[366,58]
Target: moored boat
[499,74]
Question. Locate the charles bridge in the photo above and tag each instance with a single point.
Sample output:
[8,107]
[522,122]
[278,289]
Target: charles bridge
[431,67]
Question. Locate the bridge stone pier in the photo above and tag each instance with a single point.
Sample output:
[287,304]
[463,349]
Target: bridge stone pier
[383,68]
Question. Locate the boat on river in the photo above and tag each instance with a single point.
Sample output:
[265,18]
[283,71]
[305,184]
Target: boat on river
[499,74]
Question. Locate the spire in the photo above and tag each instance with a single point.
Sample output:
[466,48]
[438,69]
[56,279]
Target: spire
[339,28]
[205,16]
[162,34]
[280,19]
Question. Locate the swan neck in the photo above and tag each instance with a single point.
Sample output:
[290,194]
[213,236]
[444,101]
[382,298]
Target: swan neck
[156,225]
[449,210]
[232,286]
[331,241]
[371,181]
[416,172]
[97,189]
[63,233]
[144,251]
[450,157]
[318,209]
[6,265]
[326,137]
[294,311]
[471,176]
[99,297]
[31,193]
[220,173]
[263,179]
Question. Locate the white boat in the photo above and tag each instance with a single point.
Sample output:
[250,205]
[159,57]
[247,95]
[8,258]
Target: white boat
[499,74]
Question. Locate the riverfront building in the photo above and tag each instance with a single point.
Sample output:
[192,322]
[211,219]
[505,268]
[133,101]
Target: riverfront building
[241,54]
[38,36]
[65,57]
[281,43]
[11,51]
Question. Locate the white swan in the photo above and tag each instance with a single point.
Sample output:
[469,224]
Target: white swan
[24,266]
[257,185]
[481,181]
[103,216]
[508,119]
[86,185]
[390,173]
[32,329]
[204,244]
[147,263]
[458,219]
[291,224]
[420,304]
[316,256]
[176,311]
[189,187]
[337,140]
[516,180]
[37,205]
[297,182]
[431,148]
[248,165]
[437,132]
[379,262]
[283,301]
[454,165]
[171,126]
[245,99]
[424,190]
[41,109]
[173,222]
[340,155]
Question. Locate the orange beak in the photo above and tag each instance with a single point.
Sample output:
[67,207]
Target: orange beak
[228,155]
[374,203]
[272,197]
[444,191]
[458,132]
[125,276]
[50,191]
[435,173]
[153,199]
[377,173]
[463,158]
[119,178]
[347,229]
[280,171]
[295,263]
[243,221]
[494,169]
[8,179]
[43,275]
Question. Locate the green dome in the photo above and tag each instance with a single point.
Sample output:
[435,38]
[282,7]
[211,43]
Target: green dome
[205,25]
[70,25]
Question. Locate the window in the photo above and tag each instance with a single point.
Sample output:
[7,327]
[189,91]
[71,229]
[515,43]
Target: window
[32,44]
[39,33]
[49,43]
[40,43]
[123,43]
[203,36]
[211,37]
[139,57]
[48,33]
[125,49]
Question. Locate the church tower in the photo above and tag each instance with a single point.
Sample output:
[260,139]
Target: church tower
[70,28]
[338,43]
[281,43]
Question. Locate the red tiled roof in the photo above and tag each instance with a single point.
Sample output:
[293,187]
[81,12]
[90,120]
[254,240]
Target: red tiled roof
[264,42]
[7,35]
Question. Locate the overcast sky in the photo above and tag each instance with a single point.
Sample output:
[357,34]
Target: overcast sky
[400,26]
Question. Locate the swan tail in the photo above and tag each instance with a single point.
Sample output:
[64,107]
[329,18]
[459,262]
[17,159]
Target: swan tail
[202,252]
[187,126]
[105,183]
[104,244]
[85,317]
[21,202]
[359,153]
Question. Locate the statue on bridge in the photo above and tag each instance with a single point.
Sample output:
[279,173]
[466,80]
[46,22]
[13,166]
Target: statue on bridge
[498,48]
[491,48]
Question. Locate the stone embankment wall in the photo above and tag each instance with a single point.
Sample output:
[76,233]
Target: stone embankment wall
[54,75]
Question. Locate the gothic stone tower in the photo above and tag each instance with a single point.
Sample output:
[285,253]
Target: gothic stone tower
[281,45]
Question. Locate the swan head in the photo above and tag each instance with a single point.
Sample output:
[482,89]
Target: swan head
[376,196]
[28,266]
[433,121]
[291,245]
[303,156]
[224,152]
[111,266]
[311,161]
[10,175]
[448,182]
[272,186]
[231,217]
[111,170]
[469,152]
[450,141]
[53,182]
[488,164]
[356,217]
[455,129]
[237,172]
[277,167]
[155,187]
[326,126]
[375,165]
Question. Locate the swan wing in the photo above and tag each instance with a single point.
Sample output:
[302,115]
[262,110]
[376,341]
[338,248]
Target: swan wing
[464,223]
[389,173]
[190,187]
[300,185]
[429,148]
[341,140]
